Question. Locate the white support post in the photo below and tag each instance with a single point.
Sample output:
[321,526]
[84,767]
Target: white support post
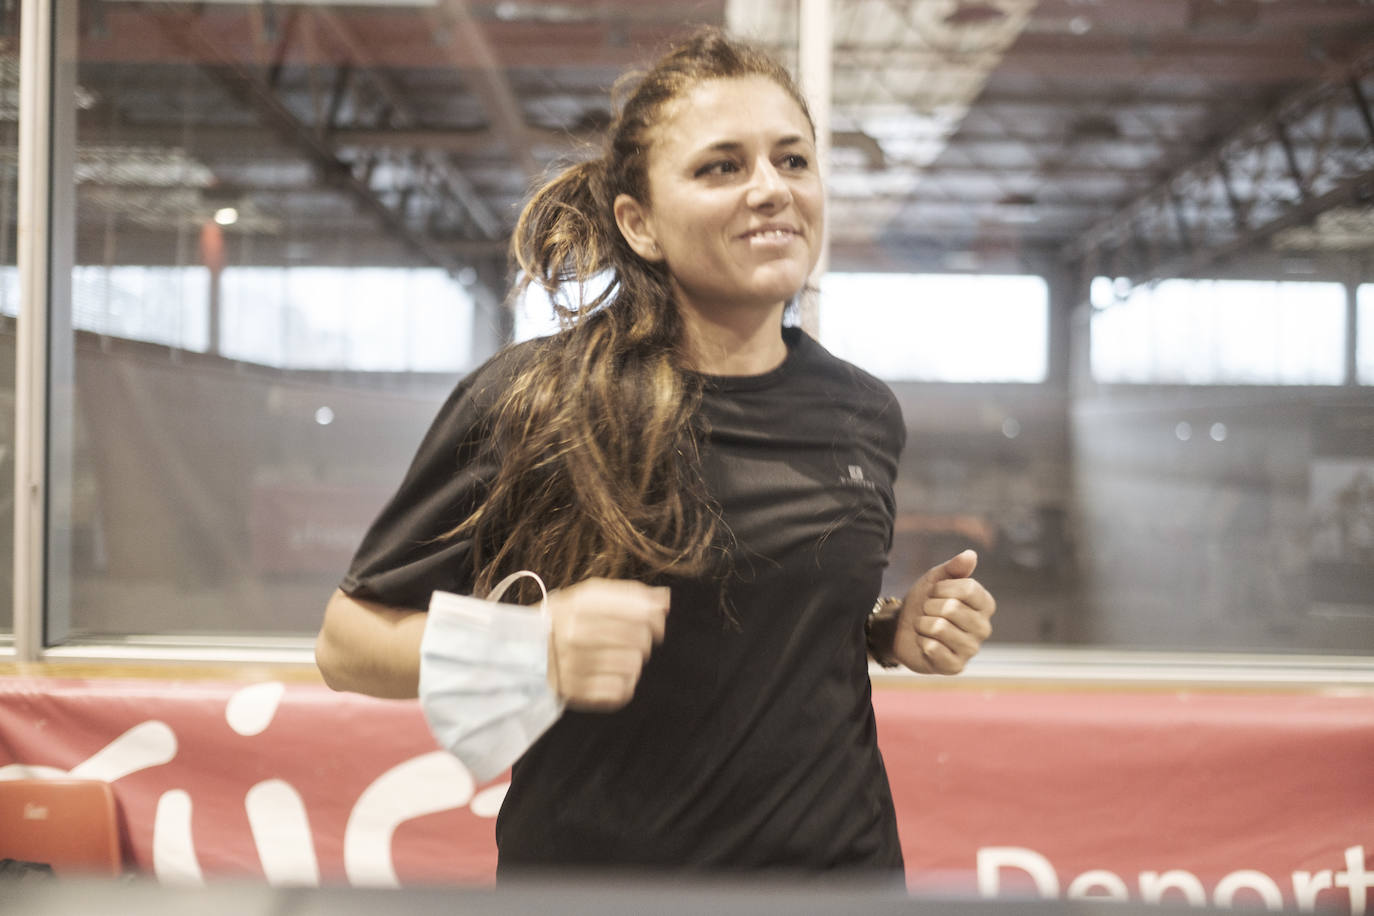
[44,387]
[31,356]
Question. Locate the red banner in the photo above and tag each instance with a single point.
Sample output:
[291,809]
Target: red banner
[1247,800]
[1215,799]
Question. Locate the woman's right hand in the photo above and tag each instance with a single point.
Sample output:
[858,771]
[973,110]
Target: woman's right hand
[603,632]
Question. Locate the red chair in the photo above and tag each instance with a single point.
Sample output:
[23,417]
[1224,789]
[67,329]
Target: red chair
[69,824]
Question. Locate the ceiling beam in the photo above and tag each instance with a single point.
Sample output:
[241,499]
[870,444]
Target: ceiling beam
[1199,210]
[465,40]
[452,179]
[243,84]
[398,36]
[1119,59]
[1146,17]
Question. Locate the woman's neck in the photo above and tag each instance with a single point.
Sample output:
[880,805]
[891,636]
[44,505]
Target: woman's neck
[740,342]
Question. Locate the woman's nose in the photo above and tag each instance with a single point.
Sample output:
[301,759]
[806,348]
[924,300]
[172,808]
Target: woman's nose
[767,190]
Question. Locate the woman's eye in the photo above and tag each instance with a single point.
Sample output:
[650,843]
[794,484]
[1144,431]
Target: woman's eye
[719,167]
[795,161]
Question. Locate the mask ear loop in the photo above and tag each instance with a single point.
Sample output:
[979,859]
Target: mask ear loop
[500,589]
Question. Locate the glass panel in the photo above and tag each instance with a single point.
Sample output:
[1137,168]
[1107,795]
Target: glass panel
[938,327]
[1208,332]
[289,243]
[1223,501]
[371,319]
[166,305]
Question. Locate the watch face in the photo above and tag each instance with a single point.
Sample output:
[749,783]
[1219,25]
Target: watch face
[886,604]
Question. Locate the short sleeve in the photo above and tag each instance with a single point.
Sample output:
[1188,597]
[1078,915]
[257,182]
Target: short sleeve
[407,552]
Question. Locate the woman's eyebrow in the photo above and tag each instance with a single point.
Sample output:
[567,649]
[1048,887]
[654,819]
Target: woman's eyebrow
[722,146]
[734,146]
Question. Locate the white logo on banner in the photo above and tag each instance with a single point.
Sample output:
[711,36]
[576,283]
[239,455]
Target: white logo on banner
[1244,886]
[147,744]
[427,784]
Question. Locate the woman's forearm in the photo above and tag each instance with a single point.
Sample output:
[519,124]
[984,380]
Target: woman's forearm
[370,648]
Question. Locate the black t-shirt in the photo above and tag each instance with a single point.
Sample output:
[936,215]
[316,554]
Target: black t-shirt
[750,742]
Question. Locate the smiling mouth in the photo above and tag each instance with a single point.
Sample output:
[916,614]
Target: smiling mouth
[776,234]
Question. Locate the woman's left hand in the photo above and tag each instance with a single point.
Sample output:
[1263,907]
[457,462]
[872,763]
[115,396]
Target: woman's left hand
[944,618]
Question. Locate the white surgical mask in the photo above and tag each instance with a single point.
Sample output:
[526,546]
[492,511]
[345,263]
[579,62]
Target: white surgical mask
[484,677]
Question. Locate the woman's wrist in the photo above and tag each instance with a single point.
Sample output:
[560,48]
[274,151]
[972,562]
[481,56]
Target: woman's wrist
[880,630]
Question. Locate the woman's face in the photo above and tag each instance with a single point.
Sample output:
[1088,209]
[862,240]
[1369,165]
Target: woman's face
[735,204]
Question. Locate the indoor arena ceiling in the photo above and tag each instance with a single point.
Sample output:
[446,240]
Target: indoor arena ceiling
[1141,137]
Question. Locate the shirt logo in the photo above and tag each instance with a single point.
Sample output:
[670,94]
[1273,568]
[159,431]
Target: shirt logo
[856,478]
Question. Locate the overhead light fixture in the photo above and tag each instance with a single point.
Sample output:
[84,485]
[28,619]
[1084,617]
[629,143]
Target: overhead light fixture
[514,10]
[974,12]
[226,216]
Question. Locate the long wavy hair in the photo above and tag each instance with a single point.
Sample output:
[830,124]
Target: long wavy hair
[596,439]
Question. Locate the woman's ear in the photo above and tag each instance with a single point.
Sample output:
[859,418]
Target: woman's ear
[633,219]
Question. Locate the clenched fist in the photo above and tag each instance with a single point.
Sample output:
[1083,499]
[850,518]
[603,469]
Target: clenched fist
[944,619]
[603,632]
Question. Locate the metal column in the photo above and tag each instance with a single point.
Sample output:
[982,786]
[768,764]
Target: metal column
[31,340]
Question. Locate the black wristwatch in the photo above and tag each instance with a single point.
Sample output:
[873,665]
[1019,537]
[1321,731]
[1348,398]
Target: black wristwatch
[880,630]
